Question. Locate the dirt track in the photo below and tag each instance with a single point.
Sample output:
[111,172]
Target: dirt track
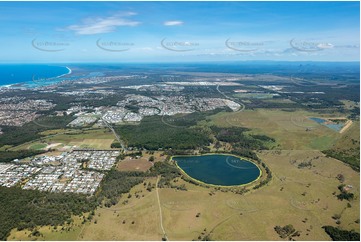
[347,125]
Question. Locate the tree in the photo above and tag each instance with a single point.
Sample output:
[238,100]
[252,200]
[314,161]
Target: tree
[217,145]
[340,177]
[339,234]
[286,231]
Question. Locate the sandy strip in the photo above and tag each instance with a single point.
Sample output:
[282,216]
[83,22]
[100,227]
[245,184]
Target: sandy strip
[52,145]
[69,72]
[347,125]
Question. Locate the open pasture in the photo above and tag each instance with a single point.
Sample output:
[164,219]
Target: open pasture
[291,129]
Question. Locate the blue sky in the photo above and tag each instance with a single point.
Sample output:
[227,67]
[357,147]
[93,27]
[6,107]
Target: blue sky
[178,31]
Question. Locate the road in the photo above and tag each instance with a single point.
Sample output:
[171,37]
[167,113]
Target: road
[242,105]
[115,134]
[160,210]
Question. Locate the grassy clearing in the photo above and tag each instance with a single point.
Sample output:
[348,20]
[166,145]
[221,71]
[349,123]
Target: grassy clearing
[55,131]
[98,139]
[352,133]
[253,95]
[83,134]
[92,143]
[347,146]
[91,138]
[61,233]
[292,130]
[5,147]
[128,164]
[38,146]
[350,104]
[143,211]
[278,100]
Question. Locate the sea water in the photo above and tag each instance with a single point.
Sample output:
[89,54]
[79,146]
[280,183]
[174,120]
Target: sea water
[11,74]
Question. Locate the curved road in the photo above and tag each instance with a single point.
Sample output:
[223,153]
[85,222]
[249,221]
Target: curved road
[243,106]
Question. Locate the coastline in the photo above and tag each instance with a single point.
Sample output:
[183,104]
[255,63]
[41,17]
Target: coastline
[22,84]
[69,72]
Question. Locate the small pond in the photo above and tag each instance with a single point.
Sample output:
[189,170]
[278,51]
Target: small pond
[335,126]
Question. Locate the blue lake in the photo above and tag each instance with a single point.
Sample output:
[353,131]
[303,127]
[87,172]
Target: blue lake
[318,120]
[334,126]
[224,170]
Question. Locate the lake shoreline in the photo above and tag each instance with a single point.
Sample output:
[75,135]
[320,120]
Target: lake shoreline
[216,185]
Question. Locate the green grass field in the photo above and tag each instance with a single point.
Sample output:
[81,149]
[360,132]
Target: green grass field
[292,130]
[60,233]
[253,95]
[347,146]
[37,146]
[278,100]
[92,138]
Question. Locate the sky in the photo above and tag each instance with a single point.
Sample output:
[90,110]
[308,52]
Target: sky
[178,31]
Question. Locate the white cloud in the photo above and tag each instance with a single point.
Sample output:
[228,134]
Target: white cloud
[173,23]
[126,13]
[348,46]
[102,25]
[146,48]
[325,46]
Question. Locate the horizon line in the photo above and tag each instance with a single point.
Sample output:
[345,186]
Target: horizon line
[179,62]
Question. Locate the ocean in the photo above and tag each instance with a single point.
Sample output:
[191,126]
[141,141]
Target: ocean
[25,73]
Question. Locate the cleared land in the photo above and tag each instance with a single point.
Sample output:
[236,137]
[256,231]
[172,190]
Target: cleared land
[278,100]
[38,146]
[141,164]
[98,139]
[292,130]
[347,146]
[350,104]
[128,164]
[93,138]
[68,232]
[116,223]
[253,95]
